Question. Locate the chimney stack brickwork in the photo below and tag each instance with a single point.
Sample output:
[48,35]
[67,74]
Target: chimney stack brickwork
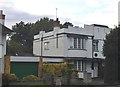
[2,17]
[57,23]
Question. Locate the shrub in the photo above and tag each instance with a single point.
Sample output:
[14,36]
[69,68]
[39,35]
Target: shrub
[12,77]
[59,69]
[30,78]
[9,77]
[55,69]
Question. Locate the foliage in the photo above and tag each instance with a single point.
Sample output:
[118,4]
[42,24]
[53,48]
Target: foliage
[21,41]
[55,69]
[10,77]
[110,50]
[66,24]
[44,24]
[58,70]
[30,78]
[110,47]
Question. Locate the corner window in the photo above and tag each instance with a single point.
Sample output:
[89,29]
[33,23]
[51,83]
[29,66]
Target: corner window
[71,42]
[46,45]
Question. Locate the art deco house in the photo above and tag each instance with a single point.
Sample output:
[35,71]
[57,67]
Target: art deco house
[81,46]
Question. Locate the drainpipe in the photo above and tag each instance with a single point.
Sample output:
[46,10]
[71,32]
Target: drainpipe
[92,64]
[92,54]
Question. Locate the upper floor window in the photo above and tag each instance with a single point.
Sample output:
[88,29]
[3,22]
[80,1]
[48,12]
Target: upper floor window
[71,42]
[95,45]
[77,43]
[46,45]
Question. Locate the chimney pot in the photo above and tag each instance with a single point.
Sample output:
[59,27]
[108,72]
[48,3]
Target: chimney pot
[2,17]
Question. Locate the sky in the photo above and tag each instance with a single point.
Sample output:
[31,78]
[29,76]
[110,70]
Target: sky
[78,12]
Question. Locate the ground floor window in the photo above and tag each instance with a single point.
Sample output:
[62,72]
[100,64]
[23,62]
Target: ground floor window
[80,65]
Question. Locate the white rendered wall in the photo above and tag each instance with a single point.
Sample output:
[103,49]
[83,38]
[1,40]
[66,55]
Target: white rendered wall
[99,33]
[36,47]
[53,50]
[4,44]
[89,47]
[94,73]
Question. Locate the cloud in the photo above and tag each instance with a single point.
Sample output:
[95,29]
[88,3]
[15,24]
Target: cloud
[75,11]
[13,16]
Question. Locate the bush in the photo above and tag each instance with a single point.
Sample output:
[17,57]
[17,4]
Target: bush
[6,78]
[10,77]
[30,78]
[59,69]
[55,69]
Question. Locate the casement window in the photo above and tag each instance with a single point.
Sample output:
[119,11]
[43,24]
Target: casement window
[83,46]
[46,45]
[80,65]
[77,43]
[71,40]
[95,45]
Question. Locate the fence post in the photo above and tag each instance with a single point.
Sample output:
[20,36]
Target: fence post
[7,65]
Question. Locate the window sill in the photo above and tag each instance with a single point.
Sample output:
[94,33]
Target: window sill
[96,51]
[77,49]
[82,71]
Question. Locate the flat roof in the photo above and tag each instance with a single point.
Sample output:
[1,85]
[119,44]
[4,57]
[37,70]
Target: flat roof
[100,25]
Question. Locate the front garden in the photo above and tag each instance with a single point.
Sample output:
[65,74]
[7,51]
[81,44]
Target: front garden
[50,73]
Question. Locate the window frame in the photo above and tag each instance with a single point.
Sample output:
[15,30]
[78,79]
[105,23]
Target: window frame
[78,43]
[95,45]
[46,47]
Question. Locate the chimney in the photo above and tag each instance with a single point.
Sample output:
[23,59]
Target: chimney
[2,17]
[56,23]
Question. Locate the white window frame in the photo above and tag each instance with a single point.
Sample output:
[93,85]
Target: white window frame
[77,43]
[71,41]
[80,65]
[95,45]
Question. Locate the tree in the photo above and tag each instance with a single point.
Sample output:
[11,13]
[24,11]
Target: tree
[66,24]
[44,24]
[110,51]
[20,42]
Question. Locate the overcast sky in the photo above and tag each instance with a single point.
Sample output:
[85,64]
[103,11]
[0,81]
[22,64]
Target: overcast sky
[78,12]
